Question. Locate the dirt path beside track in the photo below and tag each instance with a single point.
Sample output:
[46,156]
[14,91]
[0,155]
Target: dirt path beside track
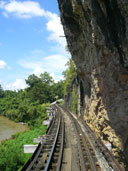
[70,160]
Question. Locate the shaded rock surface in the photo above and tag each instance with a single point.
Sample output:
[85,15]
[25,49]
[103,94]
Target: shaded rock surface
[97,36]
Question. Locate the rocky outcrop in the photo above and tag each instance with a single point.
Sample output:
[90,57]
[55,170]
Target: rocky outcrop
[97,36]
[76,84]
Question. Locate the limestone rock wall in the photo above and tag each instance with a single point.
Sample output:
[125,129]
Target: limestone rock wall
[68,98]
[97,36]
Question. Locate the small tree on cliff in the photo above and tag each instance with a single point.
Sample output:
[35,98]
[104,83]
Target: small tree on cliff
[69,74]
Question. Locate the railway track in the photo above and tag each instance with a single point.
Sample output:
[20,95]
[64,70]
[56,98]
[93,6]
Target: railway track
[87,157]
[113,163]
[48,154]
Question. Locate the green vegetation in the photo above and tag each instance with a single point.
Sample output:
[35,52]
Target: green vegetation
[69,74]
[74,101]
[62,102]
[12,155]
[29,106]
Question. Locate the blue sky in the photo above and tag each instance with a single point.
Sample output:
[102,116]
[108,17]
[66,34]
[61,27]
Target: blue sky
[30,41]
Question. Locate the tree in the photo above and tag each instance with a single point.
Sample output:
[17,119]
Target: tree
[58,89]
[25,105]
[69,74]
[39,92]
[1,92]
[46,78]
[32,79]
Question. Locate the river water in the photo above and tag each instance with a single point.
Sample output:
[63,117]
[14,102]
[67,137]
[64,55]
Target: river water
[8,128]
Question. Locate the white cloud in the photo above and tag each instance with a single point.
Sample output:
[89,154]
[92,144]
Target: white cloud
[50,63]
[30,64]
[22,9]
[55,28]
[17,85]
[56,78]
[2,64]
[54,64]
[2,4]
[38,70]
[9,68]
[29,9]
[5,14]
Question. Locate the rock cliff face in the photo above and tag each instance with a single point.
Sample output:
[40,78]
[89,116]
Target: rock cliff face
[97,36]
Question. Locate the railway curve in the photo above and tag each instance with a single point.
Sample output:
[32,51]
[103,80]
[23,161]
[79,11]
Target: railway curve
[61,153]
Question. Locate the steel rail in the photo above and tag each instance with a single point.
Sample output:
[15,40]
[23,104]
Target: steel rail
[112,160]
[53,148]
[61,148]
[92,162]
[49,126]
[89,154]
[29,164]
[31,160]
[113,163]
[81,155]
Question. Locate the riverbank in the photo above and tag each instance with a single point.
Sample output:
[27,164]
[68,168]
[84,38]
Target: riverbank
[12,155]
[9,128]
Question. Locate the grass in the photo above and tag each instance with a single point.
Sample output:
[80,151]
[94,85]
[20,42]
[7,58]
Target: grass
[12,155]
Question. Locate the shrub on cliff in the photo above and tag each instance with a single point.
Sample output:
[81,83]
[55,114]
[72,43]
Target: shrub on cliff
[69,74]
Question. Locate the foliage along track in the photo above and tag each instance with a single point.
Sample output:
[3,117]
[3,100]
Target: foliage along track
[48,155]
